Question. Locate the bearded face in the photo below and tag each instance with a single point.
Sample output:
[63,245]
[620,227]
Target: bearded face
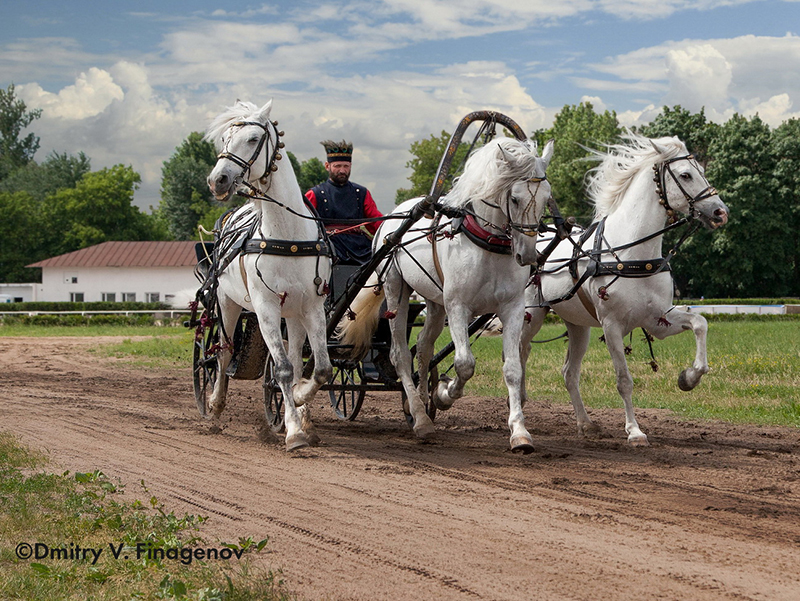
[339,172]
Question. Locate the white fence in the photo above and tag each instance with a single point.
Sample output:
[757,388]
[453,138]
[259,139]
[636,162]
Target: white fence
[759,309]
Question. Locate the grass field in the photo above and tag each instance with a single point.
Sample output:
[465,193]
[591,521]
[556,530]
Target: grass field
[755,367]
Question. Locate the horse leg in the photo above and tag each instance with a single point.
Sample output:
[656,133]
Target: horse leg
[306,389]
[397,295]
[529,330]
[577,346]
[680,321]
[269,318]
[434,324]
[616,348]
[512,318]
[229,316]
[448,390]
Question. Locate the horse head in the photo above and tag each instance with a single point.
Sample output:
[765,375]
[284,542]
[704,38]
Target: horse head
[526,200]
[682,186]
[248,143]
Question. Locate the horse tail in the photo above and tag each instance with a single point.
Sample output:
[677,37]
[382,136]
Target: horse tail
[361,321]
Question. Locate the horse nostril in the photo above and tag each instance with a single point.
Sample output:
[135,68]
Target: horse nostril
[721,215]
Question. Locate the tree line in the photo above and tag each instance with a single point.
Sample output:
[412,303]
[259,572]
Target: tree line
[60,205]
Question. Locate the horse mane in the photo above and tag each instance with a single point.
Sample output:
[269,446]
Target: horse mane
[241,111]
[487,176]
[620,163]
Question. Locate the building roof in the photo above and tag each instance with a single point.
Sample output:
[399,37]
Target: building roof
[127,254]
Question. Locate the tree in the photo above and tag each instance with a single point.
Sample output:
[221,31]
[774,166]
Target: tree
[98,209]
[185,197]
[786,150]
[22,224]
[312,172]
[576,128]
[751,256]
[14,117]
[428,154]
[692,129]
[56,172]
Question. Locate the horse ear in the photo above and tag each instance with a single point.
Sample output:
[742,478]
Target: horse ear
[547,153]
[263,112]
[505,155]
[658,148]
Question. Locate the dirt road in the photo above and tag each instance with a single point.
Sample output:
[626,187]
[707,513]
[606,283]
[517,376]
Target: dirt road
[709,511]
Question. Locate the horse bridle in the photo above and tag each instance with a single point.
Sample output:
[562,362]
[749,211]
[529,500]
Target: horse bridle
[270,166]
[527,229]
[662,169]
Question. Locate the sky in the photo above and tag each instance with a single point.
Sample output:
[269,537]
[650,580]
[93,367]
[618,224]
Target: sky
[127,82]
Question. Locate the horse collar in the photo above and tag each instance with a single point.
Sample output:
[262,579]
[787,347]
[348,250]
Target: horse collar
[469,226]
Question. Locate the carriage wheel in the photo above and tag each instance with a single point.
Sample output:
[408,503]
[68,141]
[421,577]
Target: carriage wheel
[273,399]
[430,408]
[346,403]
[204,367]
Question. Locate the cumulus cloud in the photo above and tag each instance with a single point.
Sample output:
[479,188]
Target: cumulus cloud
[722,75]
[699,75]
[91,93]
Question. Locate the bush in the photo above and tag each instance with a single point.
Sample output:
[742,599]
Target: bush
[97,306]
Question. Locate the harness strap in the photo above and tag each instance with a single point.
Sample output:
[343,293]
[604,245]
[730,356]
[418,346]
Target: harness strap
[433,237]
[287,248]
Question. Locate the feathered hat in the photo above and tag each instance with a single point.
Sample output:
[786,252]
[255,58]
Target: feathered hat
[338,151]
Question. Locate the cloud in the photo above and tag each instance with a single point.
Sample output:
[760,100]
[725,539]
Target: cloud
[90,95]
[699,75]
[723,75]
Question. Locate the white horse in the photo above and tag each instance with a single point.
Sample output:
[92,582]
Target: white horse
[283,269]
[463,267]
[613,275]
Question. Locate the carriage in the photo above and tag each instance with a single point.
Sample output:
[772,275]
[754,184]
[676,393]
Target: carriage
[352,375]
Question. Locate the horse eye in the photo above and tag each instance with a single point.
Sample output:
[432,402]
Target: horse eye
[253,140]
[515,200]
[686,175]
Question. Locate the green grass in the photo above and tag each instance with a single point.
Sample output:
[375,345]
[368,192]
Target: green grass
[90,330]
[84,511]
[755,367]
[755,372]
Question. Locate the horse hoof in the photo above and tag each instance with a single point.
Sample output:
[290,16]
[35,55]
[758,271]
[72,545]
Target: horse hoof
[684,383]
[296,441]
[314,439]
[590,430]
[439,394]
[424,431]
[638,441]
[522,444]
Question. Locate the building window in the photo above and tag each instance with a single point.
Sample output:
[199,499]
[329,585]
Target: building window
[128,297]
[152,297]
[70,278]
[76,297]
[109,297]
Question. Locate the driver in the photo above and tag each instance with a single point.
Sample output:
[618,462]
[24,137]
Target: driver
[338,199]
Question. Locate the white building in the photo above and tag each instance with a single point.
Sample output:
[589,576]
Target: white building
[120,271]
[20,293]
